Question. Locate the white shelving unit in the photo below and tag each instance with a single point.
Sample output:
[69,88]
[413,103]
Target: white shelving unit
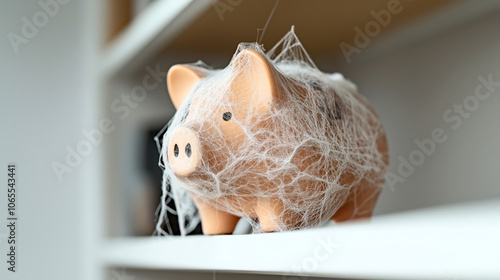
[162,20]
[445,242]
[149,32]
[432,243]
[458,13]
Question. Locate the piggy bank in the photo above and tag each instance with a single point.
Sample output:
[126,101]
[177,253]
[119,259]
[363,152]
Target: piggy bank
[272,139]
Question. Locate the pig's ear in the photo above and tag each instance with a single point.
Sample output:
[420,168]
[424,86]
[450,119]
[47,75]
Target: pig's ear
[255,79]
[181,80]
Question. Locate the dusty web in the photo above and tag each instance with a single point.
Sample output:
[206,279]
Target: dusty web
[292,163]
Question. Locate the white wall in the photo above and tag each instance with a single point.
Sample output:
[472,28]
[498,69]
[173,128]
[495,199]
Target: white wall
[48,95]
[412,87]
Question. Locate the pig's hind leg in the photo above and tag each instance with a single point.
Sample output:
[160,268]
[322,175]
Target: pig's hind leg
[359,204]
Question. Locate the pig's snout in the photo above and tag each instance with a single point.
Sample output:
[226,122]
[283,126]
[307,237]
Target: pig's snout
[183,151]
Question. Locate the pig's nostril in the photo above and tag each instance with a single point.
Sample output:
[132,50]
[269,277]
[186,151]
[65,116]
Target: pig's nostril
[184,151]
[188,150]
[176,150]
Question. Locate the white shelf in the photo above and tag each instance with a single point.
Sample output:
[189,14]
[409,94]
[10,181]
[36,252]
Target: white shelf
[460,241]
[149,32]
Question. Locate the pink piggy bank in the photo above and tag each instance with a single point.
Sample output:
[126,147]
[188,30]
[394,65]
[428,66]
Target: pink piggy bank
[275,141]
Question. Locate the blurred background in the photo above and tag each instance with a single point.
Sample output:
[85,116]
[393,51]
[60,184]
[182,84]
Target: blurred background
[83,95]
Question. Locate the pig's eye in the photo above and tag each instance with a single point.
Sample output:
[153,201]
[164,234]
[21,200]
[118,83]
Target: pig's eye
[316,86]
[227,116]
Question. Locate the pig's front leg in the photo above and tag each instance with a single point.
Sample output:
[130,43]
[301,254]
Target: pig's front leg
[215,221]
[270,214]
